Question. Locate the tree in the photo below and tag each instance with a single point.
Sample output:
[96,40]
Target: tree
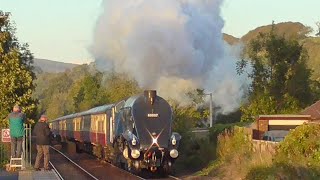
[280,79]
[62,85]
[197,96]
[57,106]
[16,76]
[56,86]
[119,86]
[86,92]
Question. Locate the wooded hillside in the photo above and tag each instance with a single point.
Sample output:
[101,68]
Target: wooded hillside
[288,30]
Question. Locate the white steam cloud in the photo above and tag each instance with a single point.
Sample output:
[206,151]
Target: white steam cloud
[173,46]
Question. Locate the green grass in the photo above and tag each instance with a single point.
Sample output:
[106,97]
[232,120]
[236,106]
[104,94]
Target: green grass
[211,167]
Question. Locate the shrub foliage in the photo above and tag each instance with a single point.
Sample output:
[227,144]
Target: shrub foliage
[302,146]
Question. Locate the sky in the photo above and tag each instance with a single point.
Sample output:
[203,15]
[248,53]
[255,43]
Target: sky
[62,30]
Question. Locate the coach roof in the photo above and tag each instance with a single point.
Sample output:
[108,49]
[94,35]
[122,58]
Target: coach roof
[96,110]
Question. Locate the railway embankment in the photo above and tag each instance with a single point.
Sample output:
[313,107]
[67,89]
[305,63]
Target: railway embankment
[240,157]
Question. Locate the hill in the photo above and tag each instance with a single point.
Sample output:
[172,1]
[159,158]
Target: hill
[230,39]
[44,65]
[288,30]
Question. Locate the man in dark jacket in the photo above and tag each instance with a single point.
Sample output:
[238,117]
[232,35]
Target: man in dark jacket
[16,121]
[42,132]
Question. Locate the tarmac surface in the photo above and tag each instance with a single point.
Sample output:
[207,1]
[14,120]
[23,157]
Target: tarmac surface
[28,175]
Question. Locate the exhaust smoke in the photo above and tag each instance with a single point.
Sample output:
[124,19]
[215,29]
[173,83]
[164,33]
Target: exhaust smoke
[173,46]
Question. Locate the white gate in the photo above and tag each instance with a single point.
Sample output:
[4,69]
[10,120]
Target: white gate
[26,146]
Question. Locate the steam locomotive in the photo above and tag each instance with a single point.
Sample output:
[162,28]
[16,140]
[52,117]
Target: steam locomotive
[133,134]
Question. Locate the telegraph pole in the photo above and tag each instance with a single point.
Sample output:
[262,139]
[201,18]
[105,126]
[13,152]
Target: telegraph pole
[211,113]
[211,109]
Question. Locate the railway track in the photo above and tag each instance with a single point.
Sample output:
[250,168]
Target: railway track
[67,168]
[84,166]
[167,178]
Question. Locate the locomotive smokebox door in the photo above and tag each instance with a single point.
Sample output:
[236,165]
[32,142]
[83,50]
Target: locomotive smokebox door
[150,95]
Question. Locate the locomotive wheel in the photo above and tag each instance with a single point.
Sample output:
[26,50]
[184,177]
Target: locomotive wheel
[121,162]
[166,170]
[118,161]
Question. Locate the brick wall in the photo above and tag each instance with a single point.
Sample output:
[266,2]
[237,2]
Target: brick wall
[262,127]
[264,146]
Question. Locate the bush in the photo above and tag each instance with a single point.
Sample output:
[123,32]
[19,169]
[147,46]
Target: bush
[234,142]
[4,154]
[194,153]
[234,148]
[220,128]
[301,146]
[298,156]
[282,171]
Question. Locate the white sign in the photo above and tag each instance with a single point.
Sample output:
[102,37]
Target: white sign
[5,135]
[153,115]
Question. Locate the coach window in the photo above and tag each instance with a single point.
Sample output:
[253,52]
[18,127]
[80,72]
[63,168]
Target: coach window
[65,125]
[101,120]
[93,123]
[69,124]
[77,124]
[100,126]
[82,123]
[87,123]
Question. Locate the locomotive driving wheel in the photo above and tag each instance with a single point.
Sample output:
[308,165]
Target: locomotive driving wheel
[120,161]
[166,169]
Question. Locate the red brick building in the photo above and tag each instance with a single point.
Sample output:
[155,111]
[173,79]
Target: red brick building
[285,122]
[278,122]
[313,111]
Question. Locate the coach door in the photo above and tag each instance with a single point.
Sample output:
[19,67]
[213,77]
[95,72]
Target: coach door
[98,128]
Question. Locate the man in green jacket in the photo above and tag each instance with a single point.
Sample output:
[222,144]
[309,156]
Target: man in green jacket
[16,121]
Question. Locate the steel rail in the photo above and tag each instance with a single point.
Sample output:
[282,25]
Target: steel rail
[56,171]
[173,177]
[74,163]
[126,172]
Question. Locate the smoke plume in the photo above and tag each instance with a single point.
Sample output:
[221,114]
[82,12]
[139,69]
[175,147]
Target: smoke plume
[173,46]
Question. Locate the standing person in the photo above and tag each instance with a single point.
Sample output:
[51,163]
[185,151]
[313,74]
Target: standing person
[42,132]
[16,121]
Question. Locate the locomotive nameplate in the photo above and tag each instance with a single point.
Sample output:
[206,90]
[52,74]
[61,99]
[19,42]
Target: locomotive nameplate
[153,115]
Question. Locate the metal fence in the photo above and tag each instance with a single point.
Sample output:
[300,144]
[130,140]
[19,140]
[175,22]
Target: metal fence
[27,146]
[5,148]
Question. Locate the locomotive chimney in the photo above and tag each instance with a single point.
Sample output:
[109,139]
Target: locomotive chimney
[150,95]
